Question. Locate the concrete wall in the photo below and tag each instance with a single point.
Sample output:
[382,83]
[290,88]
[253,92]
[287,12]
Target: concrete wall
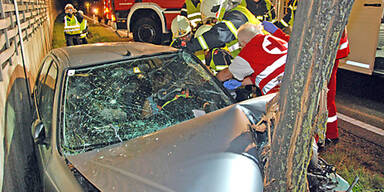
[17,172]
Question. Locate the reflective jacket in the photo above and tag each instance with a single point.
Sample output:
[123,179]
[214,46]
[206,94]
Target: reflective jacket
[287,20]
[71,25]
[84,28]
[224,33]
[343,50]
[191,10]
[263,10]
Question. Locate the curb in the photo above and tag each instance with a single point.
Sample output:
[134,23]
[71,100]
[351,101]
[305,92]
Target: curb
[361,129]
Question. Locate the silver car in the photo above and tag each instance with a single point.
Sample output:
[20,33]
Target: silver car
[141,117]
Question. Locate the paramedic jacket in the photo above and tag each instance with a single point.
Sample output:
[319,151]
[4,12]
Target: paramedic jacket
[220,34]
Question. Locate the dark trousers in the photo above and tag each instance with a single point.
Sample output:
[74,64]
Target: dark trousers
[83,40]
[72,39]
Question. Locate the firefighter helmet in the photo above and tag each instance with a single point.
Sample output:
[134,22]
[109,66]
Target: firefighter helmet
[69,6]
[202,29]
[213,9]
[180,26]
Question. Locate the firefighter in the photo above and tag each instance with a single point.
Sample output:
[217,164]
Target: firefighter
[262,9]
[181,31]
[191,10]
[230,15]
[257,64]
[200,31]
[218,59]
[72,20]
[84,30]
[287,21]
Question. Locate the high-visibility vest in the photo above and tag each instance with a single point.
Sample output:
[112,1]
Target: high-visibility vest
[193,13]
[218,66]
[269,7]
[243,3]
[234,46]
[83,27]
[293,7]
[201,55]
[71,25]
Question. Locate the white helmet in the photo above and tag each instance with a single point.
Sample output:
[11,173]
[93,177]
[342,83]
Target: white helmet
[213,9]
[202,29]
[68,6]
[180,26]
[81,12]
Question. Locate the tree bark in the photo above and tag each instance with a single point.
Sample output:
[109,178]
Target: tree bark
[312,50]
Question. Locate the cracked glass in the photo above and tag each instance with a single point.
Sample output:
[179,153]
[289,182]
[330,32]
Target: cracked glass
[111,103]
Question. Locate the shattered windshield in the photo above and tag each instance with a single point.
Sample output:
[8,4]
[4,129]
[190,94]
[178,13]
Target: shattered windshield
[115,102]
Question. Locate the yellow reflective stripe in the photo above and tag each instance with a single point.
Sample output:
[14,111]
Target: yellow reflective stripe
[69,30]
[198,14]
[231,27]
[234,47]
[72,27]
[274,21]
[202,42]
[221,67]
[195,21]
[284,23]
[260,17]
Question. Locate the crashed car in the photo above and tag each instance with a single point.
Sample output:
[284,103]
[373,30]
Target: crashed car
[141,117]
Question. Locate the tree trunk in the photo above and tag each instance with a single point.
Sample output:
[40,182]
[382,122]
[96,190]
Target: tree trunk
[312,50]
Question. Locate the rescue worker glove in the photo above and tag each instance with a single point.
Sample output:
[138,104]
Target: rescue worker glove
[270,27]
[232,84]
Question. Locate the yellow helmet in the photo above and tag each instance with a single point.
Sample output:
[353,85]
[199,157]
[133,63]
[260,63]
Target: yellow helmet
[180,26]
[202,29]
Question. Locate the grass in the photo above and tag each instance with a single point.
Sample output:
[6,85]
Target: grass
[99,34]
[353,157]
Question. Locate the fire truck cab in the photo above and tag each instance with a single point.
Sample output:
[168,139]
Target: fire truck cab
[148,20]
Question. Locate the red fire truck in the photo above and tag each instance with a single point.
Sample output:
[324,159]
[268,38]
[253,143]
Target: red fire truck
[148,20]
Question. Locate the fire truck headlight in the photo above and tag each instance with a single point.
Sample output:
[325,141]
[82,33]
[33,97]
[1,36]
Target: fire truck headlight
[96,11]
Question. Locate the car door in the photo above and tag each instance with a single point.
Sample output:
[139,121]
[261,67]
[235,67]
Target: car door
[43,99]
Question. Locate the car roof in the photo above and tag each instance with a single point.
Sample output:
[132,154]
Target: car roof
[90,54]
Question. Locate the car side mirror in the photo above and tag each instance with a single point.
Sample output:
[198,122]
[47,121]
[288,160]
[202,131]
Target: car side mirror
[38,132]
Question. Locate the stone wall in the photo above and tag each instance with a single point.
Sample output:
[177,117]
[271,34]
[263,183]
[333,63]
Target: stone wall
[17,172]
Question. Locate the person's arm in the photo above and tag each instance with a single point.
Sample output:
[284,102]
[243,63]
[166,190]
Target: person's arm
[184,11]
[275,31]
[224,75]
[343,50]
[247,81]
[280,34]
[79,17]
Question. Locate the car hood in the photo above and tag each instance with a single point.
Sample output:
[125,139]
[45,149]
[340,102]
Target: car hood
[214,152]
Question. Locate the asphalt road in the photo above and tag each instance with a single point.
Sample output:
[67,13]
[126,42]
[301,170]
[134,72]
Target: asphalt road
[360,98]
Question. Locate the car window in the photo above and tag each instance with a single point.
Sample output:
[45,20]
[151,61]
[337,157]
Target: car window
[41,77]
[45,95]
[121,101]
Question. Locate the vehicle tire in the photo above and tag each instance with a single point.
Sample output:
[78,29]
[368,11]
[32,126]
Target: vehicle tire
[147,30]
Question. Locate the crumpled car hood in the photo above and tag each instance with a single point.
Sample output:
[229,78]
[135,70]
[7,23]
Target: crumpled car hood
[202,154]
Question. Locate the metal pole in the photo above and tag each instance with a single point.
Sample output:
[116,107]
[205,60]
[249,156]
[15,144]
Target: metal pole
[22,52]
